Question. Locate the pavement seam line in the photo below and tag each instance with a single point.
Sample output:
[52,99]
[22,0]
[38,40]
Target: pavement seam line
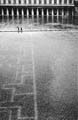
[34,82]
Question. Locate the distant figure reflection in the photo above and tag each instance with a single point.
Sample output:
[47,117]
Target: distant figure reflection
[18,29]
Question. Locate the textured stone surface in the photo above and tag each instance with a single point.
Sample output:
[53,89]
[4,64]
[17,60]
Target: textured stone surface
[38,75]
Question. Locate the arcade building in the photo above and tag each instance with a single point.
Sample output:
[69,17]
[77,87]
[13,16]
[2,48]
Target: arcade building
[16,8]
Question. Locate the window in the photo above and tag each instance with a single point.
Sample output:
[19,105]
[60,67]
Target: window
[44,1]
[60,1]
[19,1]
[4,2]
[70,1]
[34,1]
[14,1]
[50,1]
[9,1]
[39,1]
[55,1]
[29,1]
[24,1]
[65,1]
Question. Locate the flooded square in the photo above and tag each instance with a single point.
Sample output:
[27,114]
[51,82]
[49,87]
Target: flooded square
[38,60]
[44,82]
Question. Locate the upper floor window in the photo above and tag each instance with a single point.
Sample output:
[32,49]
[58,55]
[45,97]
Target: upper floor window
[70,1]
[34,1]
[39,1]
[14,1]
[24,1]
[9,1]
[55,1]
[29,1]
[50,1]
[19,1]
[60,1]
[65,1]
[45,2]
[4,2]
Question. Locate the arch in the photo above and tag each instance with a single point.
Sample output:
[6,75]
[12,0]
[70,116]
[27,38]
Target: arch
[19,1]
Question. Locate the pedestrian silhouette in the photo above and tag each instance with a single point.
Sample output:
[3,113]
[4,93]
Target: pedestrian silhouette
[21,29]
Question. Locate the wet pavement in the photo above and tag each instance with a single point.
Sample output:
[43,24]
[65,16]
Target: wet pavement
[38,24]
[38,75]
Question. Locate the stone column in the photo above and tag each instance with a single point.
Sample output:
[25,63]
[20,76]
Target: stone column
[12,12]
[52,15]
[7,13]
[27,13]
[42,12]
[72,12]
[57,12]
[62,12]
[52,12]
[17,13]
[62,15]
[47,13]
[67,12]
[2,12]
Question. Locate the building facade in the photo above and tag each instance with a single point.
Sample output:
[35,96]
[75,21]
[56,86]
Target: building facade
[36,8]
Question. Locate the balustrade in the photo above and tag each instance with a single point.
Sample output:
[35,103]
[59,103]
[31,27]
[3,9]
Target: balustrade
[36,2]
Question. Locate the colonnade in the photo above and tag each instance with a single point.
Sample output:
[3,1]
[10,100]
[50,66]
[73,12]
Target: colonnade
[36,2]
[35,12]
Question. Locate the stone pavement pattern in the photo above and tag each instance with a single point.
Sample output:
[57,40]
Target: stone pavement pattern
[16,78]
[27,61]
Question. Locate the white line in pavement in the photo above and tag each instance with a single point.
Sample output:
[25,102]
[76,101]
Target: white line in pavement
[10,114]
[17,72]
[24,94]
[10,107]
[34,82]
[19,112]
[28,118]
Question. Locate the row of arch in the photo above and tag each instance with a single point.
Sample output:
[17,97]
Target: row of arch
[36,12]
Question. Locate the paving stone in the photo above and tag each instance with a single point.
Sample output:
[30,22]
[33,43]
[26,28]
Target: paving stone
[27,104]
[5,95]
[4,115]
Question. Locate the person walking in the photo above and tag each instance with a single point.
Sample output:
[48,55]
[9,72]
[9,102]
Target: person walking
[21,30]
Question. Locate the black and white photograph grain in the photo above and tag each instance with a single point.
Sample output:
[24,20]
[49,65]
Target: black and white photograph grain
[38,59]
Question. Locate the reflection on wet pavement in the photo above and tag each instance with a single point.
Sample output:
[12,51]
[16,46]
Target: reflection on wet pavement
[37,23]
[38,75]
